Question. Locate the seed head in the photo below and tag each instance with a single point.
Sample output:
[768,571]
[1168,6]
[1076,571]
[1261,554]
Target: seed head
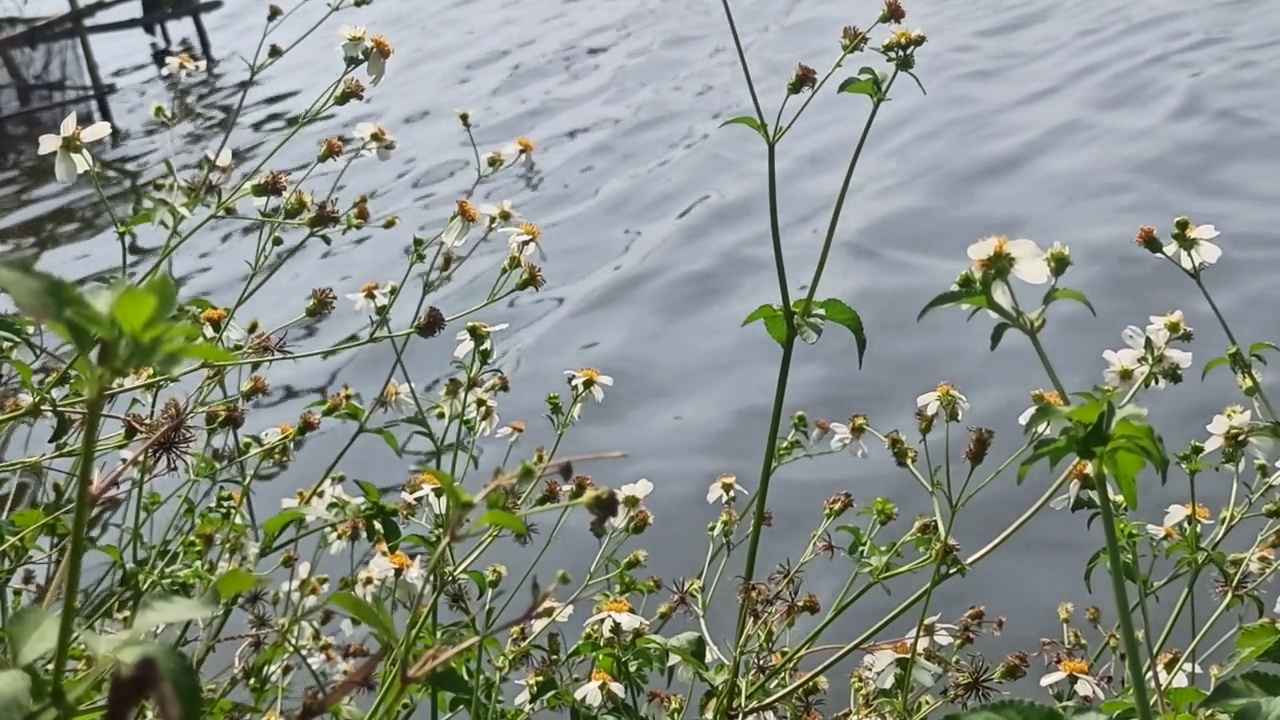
[431,324]
[805,78]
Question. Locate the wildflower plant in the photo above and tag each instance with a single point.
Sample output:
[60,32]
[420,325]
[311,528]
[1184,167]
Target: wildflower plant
[146,571]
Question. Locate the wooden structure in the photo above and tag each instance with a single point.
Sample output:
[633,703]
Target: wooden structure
[49,75]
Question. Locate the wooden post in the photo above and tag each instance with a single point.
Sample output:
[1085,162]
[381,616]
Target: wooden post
[99,90]
[205,48]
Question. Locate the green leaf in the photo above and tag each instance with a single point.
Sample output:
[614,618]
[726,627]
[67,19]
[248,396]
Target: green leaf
[840,313]
[178,694]
[1255,641]
[134,310]
[1184,698]
[1009,710]
[32,633]
[750,122]
[379,622]
[207,352]
[774,322]
[504,520]
[389,438]
[272,528]
[234,582]
[808,325]
[1125,465]
[158,611]
[1253,685]
[1263,709]
[162,287]
[15,694]
[997,334]
[690,647]
[860,86]
[1212,365]
[1061,293]
[950,297]
[55,302]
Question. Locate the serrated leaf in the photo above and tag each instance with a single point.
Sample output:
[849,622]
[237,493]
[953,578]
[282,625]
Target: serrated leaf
[750,122]
[839,312]
[690,647]
[277,524]
[1263,709]
[1061,293]
[861,86]
[505,520]
[997,334]
[774,322]
[134,310]
[1255,641]
[380,623]
[389,438]
[32,632]
[950,297]
[15,693]
[1009,710]
[234,582]
[158,611]
[55,302]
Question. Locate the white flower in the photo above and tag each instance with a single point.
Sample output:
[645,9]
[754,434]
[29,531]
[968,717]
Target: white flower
[385,566]
[503,212]
[521,149]
[283,432]
[523,238]
[724,490]
[512,431]
[183,65]
[1174,324]
[1195,251]
[1039,399]
[551,612]
[1080,472]
[1175,514]
[483,411]
[1176,677]
[528,684]
[398,396]
[1075,672]
[220,162]
[849,434]
[589,381]
[630,497]
[1122,368]
[999,257]
[354,41]
[1164,357]
[425,486]
[1233,423]
[1162,532]
[600,688]
[883,665]
[375,140]
[945,398]
[616,613]
[305,589]
[936,633]
[372,296]
[380,51]
[72,159]
[477,337]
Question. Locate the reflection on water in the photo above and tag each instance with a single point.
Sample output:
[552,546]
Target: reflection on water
[1062,121]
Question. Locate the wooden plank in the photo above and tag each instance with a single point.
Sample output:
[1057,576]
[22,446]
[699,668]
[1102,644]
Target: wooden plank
[54,105]
[52,35]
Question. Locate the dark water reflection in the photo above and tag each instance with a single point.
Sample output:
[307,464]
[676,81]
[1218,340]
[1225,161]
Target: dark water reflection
[1069,121]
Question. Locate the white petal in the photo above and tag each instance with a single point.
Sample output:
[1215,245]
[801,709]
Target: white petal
[68,125]
[1208,252]
[1025,417]
[49,143]
[1051,678]
[1204,232]
[64,168]
[1213,444]
[1002,295]
[982,249]
[96,131]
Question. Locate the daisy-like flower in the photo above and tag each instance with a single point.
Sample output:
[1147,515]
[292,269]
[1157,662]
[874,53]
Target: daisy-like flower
[1175,515]
[521,149]
[1162,533]
[512,431]
[503,212]
[551,612]
[278,433]
[724,490]
[1231,427]
[933,632]
[997,257]
[375,140]
[849,435]
[354,41]
[372,296]
[1123,368]
[398,564]
[882,664]
[398,396]
[425,486]
[220,162]
[1165,360]
[71,158]
[1192,249]
[589,381]
[1039,399]
[631,497]
[523,238]
[1174,324]
[528,686]
[616,613]
[464,218]
[1081,475]
[380,51]
[477,337]
[1172,671]
[1076,673]
[599,689]
[483,411]
[183,65]
[945,398]
[306,589]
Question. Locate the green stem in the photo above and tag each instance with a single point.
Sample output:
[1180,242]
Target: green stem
[1231,338]
[1048,366]
[1127,633]
[76,547]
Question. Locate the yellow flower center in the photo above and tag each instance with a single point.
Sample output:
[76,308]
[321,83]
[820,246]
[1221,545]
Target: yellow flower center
[286,431]
[467,211]
[727,482]
[1080,472]
[589,375]
[369,289]
[618,605]
[525,144]
[999,257]
[1074,667]
[399,560]
[1047,398]
[425,479]
[517,427]
[945,391]
[213,316]
[600,676]
[382,46]
[1200,512]
[533,231]
[1169,533]
[902,647]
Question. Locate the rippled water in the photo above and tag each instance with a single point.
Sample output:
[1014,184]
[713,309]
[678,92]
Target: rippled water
[1064,120]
